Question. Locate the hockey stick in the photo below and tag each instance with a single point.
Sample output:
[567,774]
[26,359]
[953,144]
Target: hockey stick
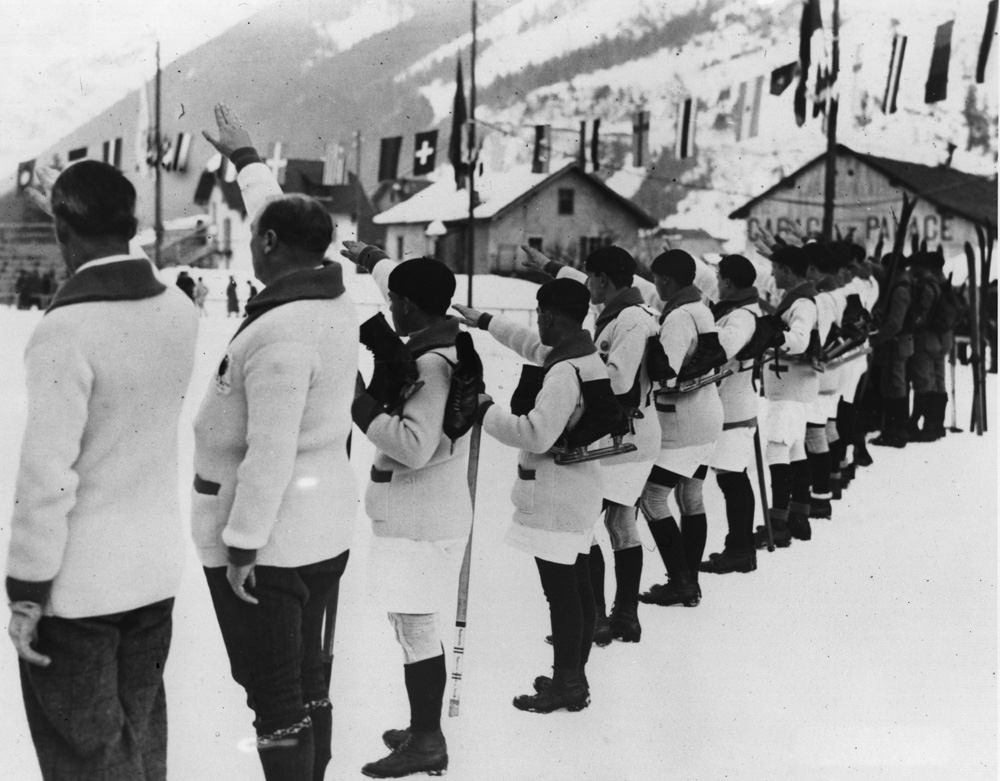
[954,429]
[463,579]
[976,421]
[762,485]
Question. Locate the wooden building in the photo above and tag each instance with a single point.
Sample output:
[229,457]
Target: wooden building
[869,191]
[566,213]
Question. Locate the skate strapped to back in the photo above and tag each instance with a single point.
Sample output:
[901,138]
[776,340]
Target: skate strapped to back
[602,416]
[395,377]
[704,367]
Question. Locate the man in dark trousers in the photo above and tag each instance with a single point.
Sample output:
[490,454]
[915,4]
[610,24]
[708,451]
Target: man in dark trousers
[96,543]
[274,499]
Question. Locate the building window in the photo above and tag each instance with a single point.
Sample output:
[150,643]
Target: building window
[590,244]
[535,242]
[565,200]
[399,248]
[76,154]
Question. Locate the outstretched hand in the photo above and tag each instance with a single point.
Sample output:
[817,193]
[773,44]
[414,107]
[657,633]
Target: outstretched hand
[40,190]
[352,250]
[536,259]
[468,315]
[232,134]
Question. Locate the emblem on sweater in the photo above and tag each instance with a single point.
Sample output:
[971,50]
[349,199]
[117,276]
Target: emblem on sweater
[223,382]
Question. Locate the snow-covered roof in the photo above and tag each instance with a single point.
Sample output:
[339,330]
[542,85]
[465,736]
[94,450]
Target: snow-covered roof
[443,201]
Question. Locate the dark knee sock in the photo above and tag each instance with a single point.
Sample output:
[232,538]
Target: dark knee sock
[585,590]
[670,544]
[694,530]
[597,570]
[740,506]
[820,466]
[628,573]
[801,480]
[425,682]
[566,614]
[781,486]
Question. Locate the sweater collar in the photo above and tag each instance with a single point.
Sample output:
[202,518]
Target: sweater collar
[614,307]
[440,334]
[735,300]
[577,346]
[128,279]
[324,282]
[805,289]
[686,295]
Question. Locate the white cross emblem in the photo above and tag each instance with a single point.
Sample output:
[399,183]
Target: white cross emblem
[425,151]
[277,163]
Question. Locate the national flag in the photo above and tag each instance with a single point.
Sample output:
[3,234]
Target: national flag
[748,109]
[984,46]
[595,145]
[824,88]
[895,68]
[543,149]
[810,23]
[684,137]
[25,174]
[640,138]
[175,156]
[334,165]
[143,136]
[936,88]
[277,164]
[425,152]
[782,77]
[457,145]
[388,158]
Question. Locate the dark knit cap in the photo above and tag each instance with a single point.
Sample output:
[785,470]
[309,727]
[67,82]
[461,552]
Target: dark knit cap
[822,256]
[428,283]
[610,260]
[738,270]
[792,258]
[676,264]
[566,296]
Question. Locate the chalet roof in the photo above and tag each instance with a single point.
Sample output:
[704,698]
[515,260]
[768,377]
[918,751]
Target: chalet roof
[442,201]
[966,195]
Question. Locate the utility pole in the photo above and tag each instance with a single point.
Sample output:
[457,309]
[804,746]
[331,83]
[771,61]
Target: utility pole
[830,181]
[470,259]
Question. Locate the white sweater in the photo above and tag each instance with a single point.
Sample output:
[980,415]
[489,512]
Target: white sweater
[96,506]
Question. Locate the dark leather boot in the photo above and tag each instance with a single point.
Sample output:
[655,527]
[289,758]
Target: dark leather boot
[420,752]
[566,691]
[679,590]
[625,624]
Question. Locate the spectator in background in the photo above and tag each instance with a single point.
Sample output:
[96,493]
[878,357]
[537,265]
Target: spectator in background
[185,283]
[253,291]
[232,298]
[200,296]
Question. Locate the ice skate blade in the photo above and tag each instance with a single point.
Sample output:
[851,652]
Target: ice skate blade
[578,456]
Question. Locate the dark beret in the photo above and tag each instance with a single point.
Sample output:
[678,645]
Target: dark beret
[566,296]
[428,283]
[676,264]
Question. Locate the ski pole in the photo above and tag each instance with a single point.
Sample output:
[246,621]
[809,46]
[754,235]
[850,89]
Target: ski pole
[463,579]
[954,413]
[761,482]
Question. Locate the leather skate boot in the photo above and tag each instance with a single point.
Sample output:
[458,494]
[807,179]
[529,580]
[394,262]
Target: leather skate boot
[420,752]
[565,691]
[730,561]
[544,682]
[779,530]
[602,629]
[625,624]
[798,521]
[680,590]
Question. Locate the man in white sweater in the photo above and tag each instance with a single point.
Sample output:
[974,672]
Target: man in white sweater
[96,542]
[274,500]
[417,499]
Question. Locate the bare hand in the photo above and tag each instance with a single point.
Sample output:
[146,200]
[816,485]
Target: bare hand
[352,250]
[536,259]
[23,631]
[40,190]
[239,576]
[469,316]
[232,134]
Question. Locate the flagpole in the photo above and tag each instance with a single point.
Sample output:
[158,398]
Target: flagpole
[830,183]
[158,199]
[470,259]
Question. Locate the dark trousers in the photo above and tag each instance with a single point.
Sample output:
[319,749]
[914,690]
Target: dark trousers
[99,711]
[274,647]
[570,595]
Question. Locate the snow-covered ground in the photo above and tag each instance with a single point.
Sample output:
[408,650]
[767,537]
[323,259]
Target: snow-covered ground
[867,653]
